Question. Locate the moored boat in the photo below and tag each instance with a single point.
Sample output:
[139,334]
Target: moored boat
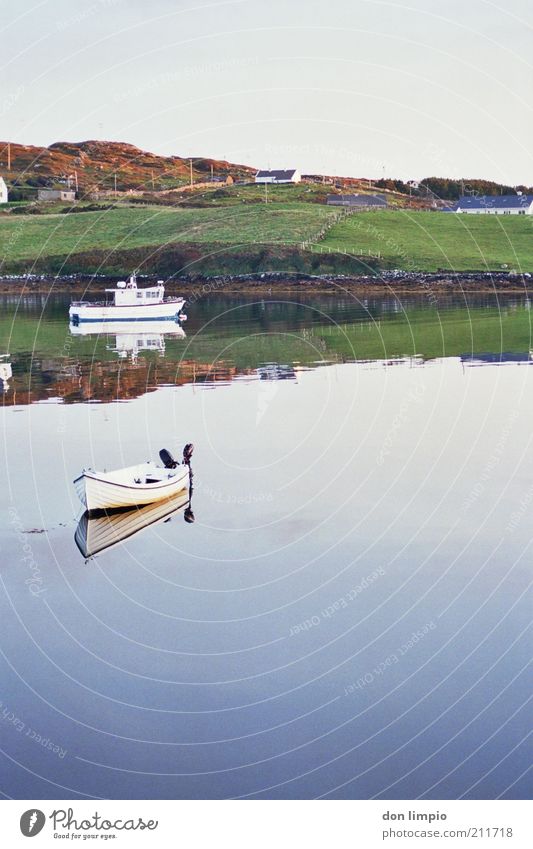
[128,302]
[133,486]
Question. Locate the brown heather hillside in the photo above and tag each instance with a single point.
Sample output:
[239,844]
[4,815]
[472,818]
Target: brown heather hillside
[97,162]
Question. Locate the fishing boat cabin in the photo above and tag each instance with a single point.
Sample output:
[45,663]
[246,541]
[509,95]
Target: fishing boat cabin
[126,293]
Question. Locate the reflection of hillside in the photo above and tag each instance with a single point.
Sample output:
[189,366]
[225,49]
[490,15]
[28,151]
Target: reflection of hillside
[226,339]
[105,381]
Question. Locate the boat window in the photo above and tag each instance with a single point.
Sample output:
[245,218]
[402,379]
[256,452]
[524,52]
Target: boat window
[139,294]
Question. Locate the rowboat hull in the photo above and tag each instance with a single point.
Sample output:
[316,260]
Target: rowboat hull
[99,491]
[169,310]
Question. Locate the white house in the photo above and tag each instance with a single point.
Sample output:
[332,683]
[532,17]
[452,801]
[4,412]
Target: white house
[292,175]
[496,205]
[3,191]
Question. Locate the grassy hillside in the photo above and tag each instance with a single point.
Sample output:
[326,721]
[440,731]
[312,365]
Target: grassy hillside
[249,237]
[428,241]
[28,237]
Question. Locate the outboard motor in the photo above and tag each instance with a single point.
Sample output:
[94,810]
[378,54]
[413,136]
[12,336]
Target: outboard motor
[187,453]
[167,459]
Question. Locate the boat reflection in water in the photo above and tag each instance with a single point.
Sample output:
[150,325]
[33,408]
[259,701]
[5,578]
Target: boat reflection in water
[130,338]
[96,534]
[6,372]
[276,371]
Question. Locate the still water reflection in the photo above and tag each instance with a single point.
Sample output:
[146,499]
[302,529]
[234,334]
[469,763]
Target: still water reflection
[347,616]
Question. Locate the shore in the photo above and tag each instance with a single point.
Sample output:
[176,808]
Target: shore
[197,286]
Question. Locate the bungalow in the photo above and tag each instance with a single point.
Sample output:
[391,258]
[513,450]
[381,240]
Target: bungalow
[292,175]
[496,205]
[358,201]
[3,191]
[56,194]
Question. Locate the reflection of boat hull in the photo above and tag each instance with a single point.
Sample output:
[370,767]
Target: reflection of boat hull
[94,535]
[119,328]
[131,487]
[166,311]
[6,374]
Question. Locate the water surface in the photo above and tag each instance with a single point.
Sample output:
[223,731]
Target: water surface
[347,615]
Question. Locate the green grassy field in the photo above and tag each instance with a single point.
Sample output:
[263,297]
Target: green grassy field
[428,241]
[27,237]
[405,239]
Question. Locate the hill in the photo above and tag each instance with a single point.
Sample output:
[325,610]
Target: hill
[242,228]
[430,241]
[297,237]
[94,164]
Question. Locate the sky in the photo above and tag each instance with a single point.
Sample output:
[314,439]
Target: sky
[363,88]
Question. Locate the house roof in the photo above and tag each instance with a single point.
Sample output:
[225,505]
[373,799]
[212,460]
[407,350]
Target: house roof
[358,200]
[279,175]
[494,202]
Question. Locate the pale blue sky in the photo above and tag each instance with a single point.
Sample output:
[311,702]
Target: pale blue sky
[355,87]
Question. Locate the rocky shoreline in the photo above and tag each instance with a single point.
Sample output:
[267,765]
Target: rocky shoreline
[197,284]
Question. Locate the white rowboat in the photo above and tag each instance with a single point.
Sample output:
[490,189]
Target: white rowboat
[133,486]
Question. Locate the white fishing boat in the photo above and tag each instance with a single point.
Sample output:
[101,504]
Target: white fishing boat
[127,302]
[133,486]
[96,534]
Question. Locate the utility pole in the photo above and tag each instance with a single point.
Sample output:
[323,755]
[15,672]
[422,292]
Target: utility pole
[76,180]
[152,173]
[266,192]
[190,165]
[9,156]
[115,176]
[211,172]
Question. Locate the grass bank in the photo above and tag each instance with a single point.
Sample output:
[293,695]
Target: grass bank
[430,241]
[296,237]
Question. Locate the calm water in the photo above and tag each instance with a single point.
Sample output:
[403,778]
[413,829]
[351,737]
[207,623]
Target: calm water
[346,618]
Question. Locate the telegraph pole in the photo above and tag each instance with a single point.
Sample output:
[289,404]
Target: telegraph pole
[115,176]
[190,165]
[9,156]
